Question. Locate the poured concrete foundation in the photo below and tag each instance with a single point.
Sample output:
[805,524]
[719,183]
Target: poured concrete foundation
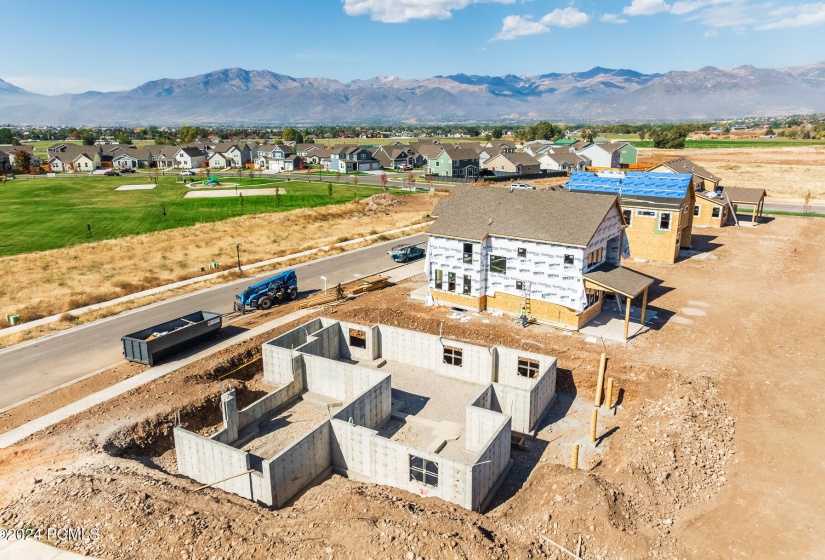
[379,404]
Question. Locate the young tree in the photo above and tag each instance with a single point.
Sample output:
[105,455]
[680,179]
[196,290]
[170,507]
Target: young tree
[329,192]
[411,180]
[22,160]
[337,176]
[277,198]
[384,181]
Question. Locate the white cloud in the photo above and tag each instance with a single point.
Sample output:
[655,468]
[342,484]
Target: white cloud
[686,6]
[517,26]
[737,14]
[711,33]
[805,14]
[646,7]
[54,85]
[401,11]
[567,17]
[612,18]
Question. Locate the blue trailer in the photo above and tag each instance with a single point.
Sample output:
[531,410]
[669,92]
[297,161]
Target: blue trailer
[263,295]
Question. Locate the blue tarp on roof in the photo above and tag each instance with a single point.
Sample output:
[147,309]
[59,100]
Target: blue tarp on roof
[634,183]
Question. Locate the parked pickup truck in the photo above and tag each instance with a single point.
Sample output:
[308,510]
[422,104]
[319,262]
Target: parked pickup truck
[407,253]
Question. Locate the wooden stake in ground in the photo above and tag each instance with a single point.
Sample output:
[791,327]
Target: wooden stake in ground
[608,396]
[593,421]
[560,547]
[574,457]
[600,382]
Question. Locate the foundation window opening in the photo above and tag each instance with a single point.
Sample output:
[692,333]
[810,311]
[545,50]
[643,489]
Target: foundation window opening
[451,281]
[498,264]
[439,279]
[528,367]
[717,211]
[628,216]
[468,285]
[468,253]
[424,471]
[664,221]
[357,338]
[453,356]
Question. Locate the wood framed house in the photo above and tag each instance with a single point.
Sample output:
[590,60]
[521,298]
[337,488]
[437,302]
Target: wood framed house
[513,164]
[710,210]
[454,162]
[702,178]
[530,252]
[657,208]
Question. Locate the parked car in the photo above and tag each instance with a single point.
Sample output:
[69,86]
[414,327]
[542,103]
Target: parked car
[407,253]
[127,170]
[524,186]
[186,172]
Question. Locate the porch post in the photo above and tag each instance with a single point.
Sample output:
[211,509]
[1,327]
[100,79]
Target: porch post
[755,212]
[644,307]
[627,317]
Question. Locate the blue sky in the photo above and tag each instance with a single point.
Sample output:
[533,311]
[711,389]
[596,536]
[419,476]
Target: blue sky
[72,46]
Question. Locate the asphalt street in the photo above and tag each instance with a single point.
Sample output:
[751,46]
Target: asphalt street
[31,368]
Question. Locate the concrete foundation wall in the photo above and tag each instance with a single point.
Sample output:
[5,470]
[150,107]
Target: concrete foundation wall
[207,460]
[481,425]
[371,408]
[489,465]
[353,352]
[295,467]
[268,403]
[524,398]
[427,351]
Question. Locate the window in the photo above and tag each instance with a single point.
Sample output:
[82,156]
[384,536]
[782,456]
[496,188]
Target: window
[357,338]
[646,213]
[468,253]
[717,211]
[451,281]
[528,368]
[569,260]
[453,356]
[696,210]
[424,471]
[522,252]
[468,285]
[439,276]
[628,216]
[498,264]
[664,220]
[519,285]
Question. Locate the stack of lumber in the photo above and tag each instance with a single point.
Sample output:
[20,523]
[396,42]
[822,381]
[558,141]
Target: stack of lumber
[321,298]
[370,284]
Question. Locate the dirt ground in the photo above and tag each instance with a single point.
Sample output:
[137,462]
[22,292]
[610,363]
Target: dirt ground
[715,452]
[786,174]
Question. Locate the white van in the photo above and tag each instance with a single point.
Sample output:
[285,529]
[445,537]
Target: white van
[522,186]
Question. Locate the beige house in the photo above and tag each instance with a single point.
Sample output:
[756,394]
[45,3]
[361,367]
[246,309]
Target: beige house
[513,163]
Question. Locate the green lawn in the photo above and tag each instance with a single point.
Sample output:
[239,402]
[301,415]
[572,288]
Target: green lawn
[753,143]
[41,214]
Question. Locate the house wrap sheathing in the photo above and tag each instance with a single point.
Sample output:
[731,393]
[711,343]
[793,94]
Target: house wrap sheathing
[369,429]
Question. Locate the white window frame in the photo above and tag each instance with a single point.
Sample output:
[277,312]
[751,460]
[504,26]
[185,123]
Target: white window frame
[669,221]
[628,218]
[646,213]
[697,210]
[715,210]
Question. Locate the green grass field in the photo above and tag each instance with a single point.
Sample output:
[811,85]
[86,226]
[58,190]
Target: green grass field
[41,214]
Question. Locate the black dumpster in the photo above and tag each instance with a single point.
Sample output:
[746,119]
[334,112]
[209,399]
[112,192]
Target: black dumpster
[150,345]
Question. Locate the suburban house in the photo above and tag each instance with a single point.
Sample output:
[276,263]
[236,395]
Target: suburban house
[702,178]
[240,154]
[533,147]
[4,161]
[503,145]
[454,162]
[219,160]
[657,207]
[513,163]
[563,162]
[318,156]
[603,155]
[710,210]
[189,158]
[347,159]
[529,252]
[164,156]
[10,151]
[125,159]
[73,157]
[395,157]
[427,150]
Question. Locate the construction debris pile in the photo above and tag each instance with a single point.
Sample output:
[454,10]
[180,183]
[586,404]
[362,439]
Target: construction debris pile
[381,201]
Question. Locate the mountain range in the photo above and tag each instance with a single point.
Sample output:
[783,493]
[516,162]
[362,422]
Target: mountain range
[601,95]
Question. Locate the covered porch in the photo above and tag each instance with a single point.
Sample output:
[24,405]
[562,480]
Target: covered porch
[742,196]
[625,283]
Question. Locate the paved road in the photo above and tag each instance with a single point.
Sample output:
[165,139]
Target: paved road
[31,368]
[790,207]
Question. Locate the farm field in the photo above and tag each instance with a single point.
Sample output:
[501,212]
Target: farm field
[726,144]
[43,214]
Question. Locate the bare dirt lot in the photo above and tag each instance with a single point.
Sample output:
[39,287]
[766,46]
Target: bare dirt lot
[787,174]
[716,452]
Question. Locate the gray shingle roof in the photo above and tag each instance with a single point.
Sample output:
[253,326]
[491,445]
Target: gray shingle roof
[682,165]
[547,216]
[619,279]
[744,195]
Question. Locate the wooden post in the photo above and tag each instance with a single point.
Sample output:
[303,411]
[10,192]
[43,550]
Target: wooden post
[755,212]
[594,420]
[608,397]
[627,318]
[574,457]
[600,381]
[644,306]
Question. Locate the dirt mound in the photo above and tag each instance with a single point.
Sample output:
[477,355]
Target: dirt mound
[382,201]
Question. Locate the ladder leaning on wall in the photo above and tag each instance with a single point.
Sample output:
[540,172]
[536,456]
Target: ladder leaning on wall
[525,308]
